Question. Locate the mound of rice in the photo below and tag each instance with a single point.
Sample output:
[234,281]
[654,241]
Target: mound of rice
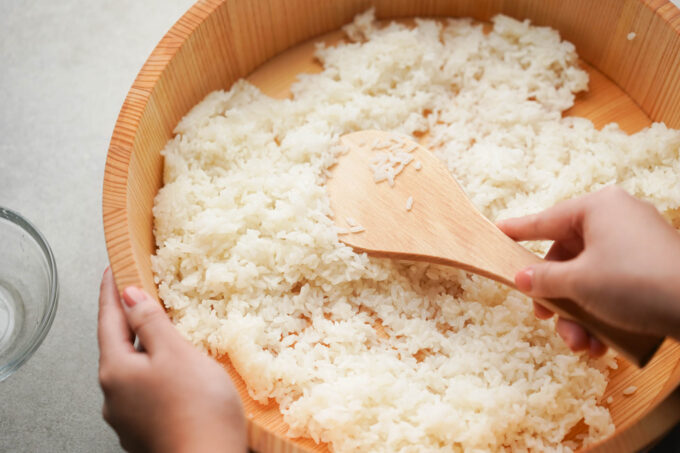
[370,354]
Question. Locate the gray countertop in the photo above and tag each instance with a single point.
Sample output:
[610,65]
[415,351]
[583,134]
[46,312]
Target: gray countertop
[65,68]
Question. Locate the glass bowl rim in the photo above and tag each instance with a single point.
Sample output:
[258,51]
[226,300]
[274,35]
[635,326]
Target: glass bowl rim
[43,328]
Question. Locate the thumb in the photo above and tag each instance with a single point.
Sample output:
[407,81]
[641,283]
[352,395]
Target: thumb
[550,279]
[147,318]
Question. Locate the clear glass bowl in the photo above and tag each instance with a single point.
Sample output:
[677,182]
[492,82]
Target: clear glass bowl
[28,290]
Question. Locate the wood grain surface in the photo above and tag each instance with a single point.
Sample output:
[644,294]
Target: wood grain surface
[218,41]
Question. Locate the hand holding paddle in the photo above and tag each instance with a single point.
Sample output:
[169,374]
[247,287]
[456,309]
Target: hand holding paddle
[441,226]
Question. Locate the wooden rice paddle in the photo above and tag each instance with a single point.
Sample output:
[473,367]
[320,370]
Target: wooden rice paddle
[443,227]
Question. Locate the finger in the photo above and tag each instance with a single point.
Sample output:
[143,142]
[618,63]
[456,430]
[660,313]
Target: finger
[575,336]
[561,222]
[596,347]
[564,250]
[541,312]
[148,320]
[550,279]
[113,333]
[556,253]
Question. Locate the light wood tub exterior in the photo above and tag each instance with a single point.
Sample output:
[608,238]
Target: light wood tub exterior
[217,42]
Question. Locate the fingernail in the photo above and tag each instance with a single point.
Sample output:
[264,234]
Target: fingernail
[133,296]
[106,270]
[523,279]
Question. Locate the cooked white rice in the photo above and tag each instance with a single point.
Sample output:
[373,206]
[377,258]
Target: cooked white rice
[351,222]
[370,354]
[387,166]
[357,229]
[629,390]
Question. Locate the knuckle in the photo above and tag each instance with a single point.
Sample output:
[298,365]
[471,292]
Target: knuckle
[543,277]
[613,193]
[105,379]
[555,280]
[108,378]
[536,221]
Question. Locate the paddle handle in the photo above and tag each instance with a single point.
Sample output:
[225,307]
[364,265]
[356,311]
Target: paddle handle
[637,348]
